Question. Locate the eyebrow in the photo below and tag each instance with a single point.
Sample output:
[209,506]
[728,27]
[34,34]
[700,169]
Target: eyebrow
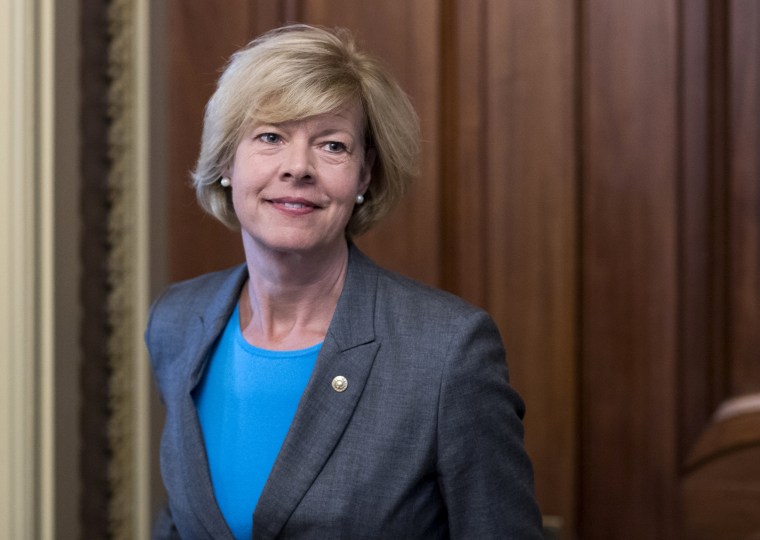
[333,131]
[320,131]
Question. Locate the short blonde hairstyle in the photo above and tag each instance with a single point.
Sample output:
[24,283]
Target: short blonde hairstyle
[298,71]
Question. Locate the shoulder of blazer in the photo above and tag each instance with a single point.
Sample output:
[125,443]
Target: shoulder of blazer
[413,304]
[185,308]
[194,297]
[407,291]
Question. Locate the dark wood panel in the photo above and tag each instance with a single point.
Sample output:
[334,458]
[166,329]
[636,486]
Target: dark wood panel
[744,198]
[268,14]
[721,485]
[463,148]
[721,246]
[719,155]
[629,270]
[697,399]
[531,237]
[199,42]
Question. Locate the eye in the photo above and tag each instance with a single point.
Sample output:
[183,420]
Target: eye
[335,147]
[269,138]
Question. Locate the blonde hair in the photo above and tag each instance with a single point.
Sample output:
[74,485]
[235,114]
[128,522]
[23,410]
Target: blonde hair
[298,71]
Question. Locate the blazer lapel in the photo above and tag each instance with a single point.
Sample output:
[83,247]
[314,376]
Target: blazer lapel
[323,413]
[207,328]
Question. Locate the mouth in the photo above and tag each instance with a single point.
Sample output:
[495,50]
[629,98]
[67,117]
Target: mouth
[294,204]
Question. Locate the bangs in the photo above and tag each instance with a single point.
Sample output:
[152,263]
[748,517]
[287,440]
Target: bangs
[302,99]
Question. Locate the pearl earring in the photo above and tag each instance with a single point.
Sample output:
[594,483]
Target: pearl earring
[359,198]
[225,181]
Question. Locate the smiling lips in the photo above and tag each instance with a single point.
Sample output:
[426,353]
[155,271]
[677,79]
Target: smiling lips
[294,206]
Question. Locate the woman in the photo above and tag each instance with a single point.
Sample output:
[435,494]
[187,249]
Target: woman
[309,393]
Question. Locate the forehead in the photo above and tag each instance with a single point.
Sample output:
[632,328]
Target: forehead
[347,117]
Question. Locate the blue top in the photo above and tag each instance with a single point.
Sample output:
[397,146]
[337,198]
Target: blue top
[246,403]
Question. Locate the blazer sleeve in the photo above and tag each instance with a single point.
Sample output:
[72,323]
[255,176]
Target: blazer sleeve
[484,472]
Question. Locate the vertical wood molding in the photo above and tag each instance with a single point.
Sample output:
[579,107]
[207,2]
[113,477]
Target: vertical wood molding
[38,330]
[743,191]
[463,124]
[720,474]
[719,163]
[129,221]
[144,107]
[20,330]
[94,452]
[62,179]
[720,251]
[696,399]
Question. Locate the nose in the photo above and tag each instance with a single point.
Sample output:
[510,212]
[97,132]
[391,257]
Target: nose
[298,162]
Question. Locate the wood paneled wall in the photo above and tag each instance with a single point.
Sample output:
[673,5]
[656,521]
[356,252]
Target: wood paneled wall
[629,267]
[590,176]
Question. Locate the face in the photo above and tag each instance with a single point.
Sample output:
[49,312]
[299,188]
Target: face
[294,184]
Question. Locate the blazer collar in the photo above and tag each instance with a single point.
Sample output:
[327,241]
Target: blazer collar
[352,323]
[323,413]
[203,331]
[212,320]
[349,350]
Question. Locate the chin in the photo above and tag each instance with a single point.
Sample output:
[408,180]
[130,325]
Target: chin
[293,240]
[299,245]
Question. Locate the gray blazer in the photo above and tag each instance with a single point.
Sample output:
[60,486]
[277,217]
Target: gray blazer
[425,442]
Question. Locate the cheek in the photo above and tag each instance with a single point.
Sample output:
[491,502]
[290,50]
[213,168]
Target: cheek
[249,178]
[240,196]
[236,203]
[353,183]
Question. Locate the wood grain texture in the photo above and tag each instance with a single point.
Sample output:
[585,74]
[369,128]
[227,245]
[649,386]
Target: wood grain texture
[463,149]
[199,40]
[629,272]
[696,396]
[721,486]
[744,198]
[531,235]
[719,358]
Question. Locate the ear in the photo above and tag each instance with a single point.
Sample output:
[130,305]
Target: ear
[366,174]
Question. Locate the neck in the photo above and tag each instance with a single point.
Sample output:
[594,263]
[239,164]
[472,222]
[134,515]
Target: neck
[289,299]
